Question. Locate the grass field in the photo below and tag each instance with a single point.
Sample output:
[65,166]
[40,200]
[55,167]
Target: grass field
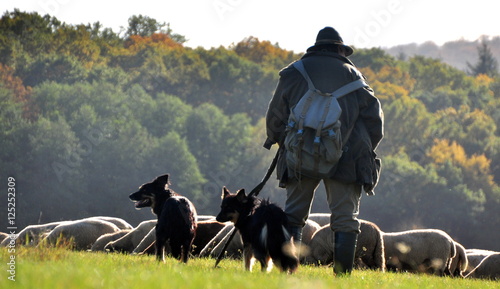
[61,268]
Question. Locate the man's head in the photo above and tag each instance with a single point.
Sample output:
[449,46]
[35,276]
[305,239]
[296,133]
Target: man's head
[328,38]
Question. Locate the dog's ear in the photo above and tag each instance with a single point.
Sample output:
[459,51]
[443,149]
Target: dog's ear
[162,181]
[240,195]
[225,193]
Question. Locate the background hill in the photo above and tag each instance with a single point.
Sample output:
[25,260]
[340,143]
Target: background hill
[88,115]
[455,53]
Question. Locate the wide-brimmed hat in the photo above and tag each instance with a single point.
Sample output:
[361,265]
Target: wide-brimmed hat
[329,36]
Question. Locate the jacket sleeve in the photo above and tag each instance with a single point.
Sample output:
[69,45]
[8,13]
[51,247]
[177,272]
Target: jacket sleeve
[372,116]
[277,115]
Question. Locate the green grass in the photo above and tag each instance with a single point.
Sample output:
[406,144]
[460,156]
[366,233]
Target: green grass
[61,268]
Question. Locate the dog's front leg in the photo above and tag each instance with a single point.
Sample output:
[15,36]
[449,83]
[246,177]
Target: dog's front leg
[247,257]
[160,252]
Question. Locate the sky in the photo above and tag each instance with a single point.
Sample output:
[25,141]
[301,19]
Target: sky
[292,24]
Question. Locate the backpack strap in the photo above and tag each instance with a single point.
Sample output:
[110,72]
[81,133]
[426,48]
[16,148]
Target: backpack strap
[300,67]
[342,91]
[350,87]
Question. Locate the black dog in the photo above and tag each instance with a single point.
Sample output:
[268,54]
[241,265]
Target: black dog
[176,217]
[262,226]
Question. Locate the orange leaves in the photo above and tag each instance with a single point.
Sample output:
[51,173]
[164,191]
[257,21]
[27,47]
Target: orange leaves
[443,151]
[388,90]
[15,84]
[390,82]
[476,167]
[263,52]
[136,42]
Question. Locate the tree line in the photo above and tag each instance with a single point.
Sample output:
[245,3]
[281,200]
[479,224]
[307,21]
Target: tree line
[87,115]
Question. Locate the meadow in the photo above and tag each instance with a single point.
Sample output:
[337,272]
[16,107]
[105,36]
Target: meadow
[61,268]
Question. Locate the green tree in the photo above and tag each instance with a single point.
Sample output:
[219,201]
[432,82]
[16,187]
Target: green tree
[29,33]
[474,130]
[49,171]
[403,187]
[147,26]
[171,155]
[432,73]
[486,63]
[236,84]
[407,126]
[167,113]
[375,58]
[53,67]
[216,140]
[264,53]
[11,122]
[143,26]
[159,64]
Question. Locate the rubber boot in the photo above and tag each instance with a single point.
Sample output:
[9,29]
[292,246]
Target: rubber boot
[344,248]
[296,233]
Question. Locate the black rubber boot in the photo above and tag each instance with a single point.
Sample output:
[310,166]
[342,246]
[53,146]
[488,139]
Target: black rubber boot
[344,248]
[296,233]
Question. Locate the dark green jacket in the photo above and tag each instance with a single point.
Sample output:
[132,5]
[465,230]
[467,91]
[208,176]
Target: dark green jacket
[362,117]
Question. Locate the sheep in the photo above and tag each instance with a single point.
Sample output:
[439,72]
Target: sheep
[369,250]
[426,250]
[308,231]
[235,248]
[81,233]
[146,245]
[201,218]
[103,240]
[4,236]
[474,258]
[32,234]
[205,232]
[459,263]
[214,247]
[489,268]
[129,242]
[119,222]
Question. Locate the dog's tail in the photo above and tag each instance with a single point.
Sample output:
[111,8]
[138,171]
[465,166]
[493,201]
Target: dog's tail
[277,241]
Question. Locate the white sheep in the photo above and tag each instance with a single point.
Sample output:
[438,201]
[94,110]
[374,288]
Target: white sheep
[369,250]
[4,236]
[200,218]
[308,231]
[215,246]
[32,234]
[489,268]
[129,242]
[119,222]
[459,263]
[205,232]
[474,258]
[81,233]
[426,250]
[235,248]
[146,246]
[103,240]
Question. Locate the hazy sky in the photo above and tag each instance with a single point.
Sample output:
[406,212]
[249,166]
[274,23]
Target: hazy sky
[292,24]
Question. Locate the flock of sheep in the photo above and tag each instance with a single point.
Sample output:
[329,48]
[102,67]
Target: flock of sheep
[428,250]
